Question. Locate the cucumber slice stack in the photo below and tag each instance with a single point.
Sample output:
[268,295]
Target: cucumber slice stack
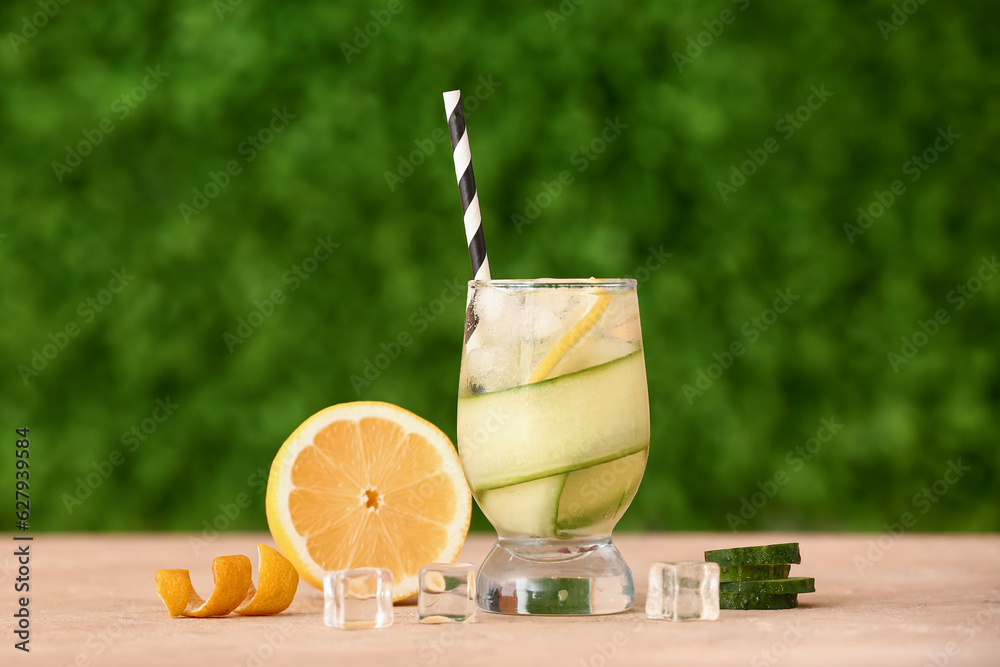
[754,572]
[757,601]
[757,577]
[770,553]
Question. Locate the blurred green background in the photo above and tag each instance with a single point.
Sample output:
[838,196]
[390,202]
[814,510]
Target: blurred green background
[694,90]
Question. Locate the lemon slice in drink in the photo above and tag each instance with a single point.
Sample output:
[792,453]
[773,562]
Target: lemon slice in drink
[569,338]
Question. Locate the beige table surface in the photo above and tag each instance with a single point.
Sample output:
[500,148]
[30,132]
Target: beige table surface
[915,600]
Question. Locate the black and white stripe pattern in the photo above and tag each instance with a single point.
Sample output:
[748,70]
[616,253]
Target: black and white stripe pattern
[466,184]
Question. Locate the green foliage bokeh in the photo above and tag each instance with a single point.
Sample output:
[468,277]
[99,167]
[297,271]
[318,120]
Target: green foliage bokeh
[554,85]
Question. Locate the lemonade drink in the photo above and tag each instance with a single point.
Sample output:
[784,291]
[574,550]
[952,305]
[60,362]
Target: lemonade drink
[553,414]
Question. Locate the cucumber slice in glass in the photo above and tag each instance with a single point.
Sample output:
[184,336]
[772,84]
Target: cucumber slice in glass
[554,426]
[588,500]
[526,510]
[593,497]
[554,596]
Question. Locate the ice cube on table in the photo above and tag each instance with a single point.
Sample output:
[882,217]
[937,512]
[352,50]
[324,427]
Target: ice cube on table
[683,591]
[360,598]
[447,593]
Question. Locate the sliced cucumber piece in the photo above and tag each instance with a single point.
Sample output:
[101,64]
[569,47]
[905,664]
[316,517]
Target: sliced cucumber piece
[775,586]
[526,510]
[757,601]
[554,596]
[754,572]
[769,553]
[588,499]
[592,497]
[555,426]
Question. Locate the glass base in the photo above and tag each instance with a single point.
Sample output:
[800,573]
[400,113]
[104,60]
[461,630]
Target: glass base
[559,577]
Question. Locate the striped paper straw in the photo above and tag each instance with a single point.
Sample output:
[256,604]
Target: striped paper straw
[466,184]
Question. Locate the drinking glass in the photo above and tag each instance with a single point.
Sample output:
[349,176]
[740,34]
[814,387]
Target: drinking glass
[553,434]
